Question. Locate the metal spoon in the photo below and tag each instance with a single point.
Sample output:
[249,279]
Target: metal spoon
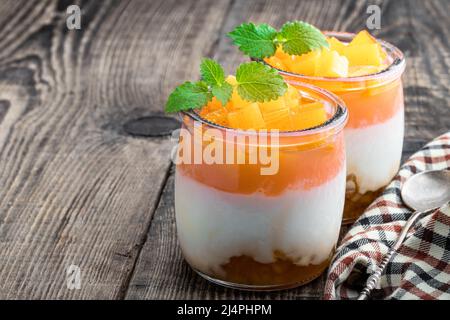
[423,192]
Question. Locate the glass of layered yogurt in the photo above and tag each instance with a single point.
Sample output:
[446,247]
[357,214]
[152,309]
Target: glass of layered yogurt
[366,74]
[263,211]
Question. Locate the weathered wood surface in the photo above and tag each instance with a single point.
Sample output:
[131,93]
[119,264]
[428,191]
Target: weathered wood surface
[76,189]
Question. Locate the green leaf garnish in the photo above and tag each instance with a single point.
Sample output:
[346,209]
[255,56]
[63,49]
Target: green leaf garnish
[223,92]
[188,96]
[300,37]
[261,41]
[255,40]
[258,82]
[212,72]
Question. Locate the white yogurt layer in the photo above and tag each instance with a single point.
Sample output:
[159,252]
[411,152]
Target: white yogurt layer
[374,152]
[214,226]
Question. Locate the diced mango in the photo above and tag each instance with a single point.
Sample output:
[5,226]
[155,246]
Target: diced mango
[308,116]
[278,119]
[219,117]
[356,71]
[276,62]
[282,59]
[234,119]
[306,63]
[364,37]
[275,114]
[213,105]
[363,50]
[215,112]
[292,93]
[285,113]
[231,80]
[292,97]
[337,45]
[272,105]
[279,53]
[292,104]
[248,117]
[364,54]
[289,62]
[332,64]
[236,102]
[294,109]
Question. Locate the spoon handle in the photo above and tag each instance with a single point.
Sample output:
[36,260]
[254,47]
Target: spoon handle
[374,278]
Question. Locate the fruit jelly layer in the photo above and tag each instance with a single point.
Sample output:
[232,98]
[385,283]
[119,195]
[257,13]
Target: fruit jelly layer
[368,102]
[303,163]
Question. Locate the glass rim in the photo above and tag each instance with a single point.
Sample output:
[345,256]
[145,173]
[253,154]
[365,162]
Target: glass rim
[337,121]
[395,69]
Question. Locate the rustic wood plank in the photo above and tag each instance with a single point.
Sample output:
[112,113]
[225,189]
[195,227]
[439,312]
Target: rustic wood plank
[426,79]
[161,272]
[75,189]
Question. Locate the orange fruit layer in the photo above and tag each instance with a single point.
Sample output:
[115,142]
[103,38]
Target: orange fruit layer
[303,163]
[362,56]
[368,102]
[287,113]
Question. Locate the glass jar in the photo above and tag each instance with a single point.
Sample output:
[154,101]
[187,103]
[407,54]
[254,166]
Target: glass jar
[374,132]
[263,210]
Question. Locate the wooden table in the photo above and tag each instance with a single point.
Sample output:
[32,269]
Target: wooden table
[78,189]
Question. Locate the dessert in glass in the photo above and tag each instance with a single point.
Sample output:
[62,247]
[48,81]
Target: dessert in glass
[366,74]
[242,227]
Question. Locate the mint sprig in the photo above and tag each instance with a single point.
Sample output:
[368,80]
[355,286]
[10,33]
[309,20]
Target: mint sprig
[188,96]
[222,92]
[256,82]
[261,41]
[213,74]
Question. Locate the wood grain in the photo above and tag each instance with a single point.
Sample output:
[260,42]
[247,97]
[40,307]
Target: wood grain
[161,272]
[74,188]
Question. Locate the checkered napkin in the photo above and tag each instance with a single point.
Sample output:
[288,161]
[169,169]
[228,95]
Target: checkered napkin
[421,267]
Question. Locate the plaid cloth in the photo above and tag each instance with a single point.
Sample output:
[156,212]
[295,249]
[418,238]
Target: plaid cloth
[420,269]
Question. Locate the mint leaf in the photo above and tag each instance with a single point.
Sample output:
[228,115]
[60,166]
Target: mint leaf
[258,82]
[212,72]
[188,96]
[223,92]
[255,81]
[299,37]
[257,41]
